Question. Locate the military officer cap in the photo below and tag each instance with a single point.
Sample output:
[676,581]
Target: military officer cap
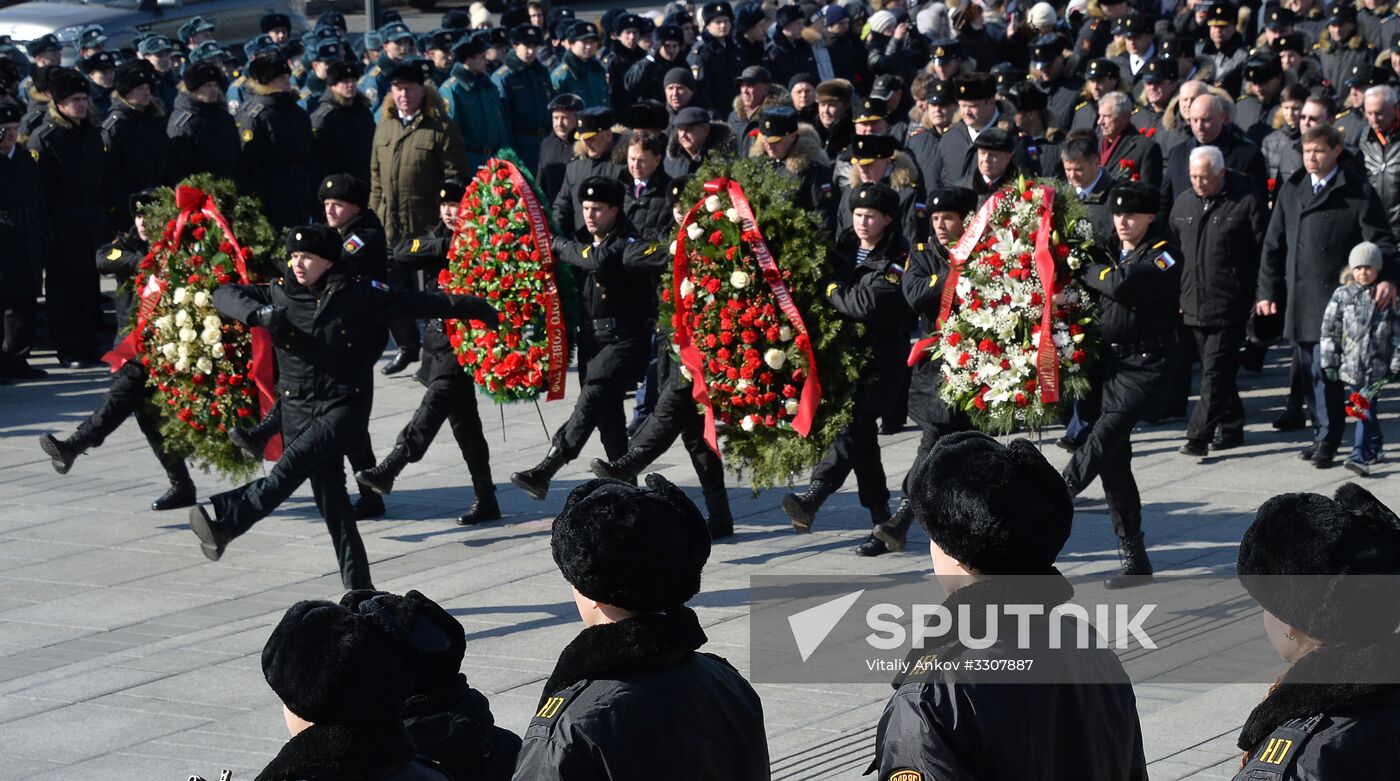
[334,19]
[777,122]
[673,195]
[952,199]
[1007,76]
[411,71]
[647,27]
[328,51]
[629,21]
[558,20]
[1026,96]
[1134,198]
[207,51]
[258,45]
[44,43]
[1222,14]
[644,115]
[64,83]
[1102,69]
[944,49]
[139,199]
[878,196]
[681,76]
[749,14]
[264,69]
[155,44]
[1341,13]
[788,14]
[1277,17]
[690,115]
[1362,75]
[1294,42]
[871,110]
[271,22]
[441,40]
[342,71]
[712,11]
[592,121]
[1262,67]
[99,62]
[885,86]
[292,49]
[320,240]
[527,35]
[835,91]
[941,93]
[344,187]
[755,74]
[92,37]
[194,27]
[566,101]
[975,86]
[200,73]
[470,46]
[601,189]
[670,33]
[451,190]
[994,139]
[582,30]
[1133,25]
[868,149]
[1182,47]
[10,111]
[394,32]
[498,37]
[1160,69]
[1046,48]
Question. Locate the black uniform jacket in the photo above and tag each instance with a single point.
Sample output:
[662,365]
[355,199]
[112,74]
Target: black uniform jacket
[619,307]
[381,752]
[121,259]
[634,700]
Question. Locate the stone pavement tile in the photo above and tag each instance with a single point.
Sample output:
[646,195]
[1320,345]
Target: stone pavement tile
[125,764]
[28,635]
[50,735]
[17,768]
[178,660]
[14,707]
[126,700]
[104,609]
[102,567]
[90,684]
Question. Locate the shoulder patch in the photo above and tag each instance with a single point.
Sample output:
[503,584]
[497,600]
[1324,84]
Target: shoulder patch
[585,250]
[353,244]
[906,775]
[247,134]
[1165,261]
[114,253]
[377,285]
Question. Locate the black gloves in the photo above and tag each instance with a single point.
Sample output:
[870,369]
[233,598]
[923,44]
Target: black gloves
[273,318]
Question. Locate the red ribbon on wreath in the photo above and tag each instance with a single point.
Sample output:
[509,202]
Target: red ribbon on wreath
[1047,358]
[810,396]
[190,201]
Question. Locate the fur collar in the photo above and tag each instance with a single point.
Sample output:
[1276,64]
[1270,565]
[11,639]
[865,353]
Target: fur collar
[57,119]
[446,696]
[903,173]
[156,109]
[805,152]
[618,154]
[1292,698]
[433,105]
[777,96]
[335,100]
[646,642]
[258,88]
[342,752]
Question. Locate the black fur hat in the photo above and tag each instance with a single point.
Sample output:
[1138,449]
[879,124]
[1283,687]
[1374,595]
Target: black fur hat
[330,665]
[321,240]
[345,187]
[1001,509]
[64,83]
[201,73]
[340,71]
[1304,557]
[264,69]
[635,548]
[420,625]
[133,74]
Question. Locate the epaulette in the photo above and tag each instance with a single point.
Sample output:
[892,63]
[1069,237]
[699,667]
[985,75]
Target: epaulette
[256,109]
[554,705]
[1081,104]
[1341,114]
[919,246]
[1159,245]
[1136,109]
[305,93]
[375,71]
[449,83]
[110,121]
[182,118]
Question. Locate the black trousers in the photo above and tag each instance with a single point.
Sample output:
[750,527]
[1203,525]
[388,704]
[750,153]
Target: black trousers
[932,414]
[606,372]
[1107,454]
[1220,406]
[361,455]
[72,301]
[405,332]
[451,398]
[315,454]
[1328,399]
[856,447]
[18,312]
[675,415]
[126,398]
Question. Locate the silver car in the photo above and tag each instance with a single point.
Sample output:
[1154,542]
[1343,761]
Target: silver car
[122,20]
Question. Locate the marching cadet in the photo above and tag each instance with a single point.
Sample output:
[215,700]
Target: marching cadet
[879,159]
[203,135]
[1139,314]
[525,90]
[614,337]
[1322,569]
[128,396]
[997,517]
[138,149]
[276,137]
[342,126]
[674,414]
[633,557]
[474,104]
[795,150]
[596,153]
[871,258]
[324,324]
[579,71]
[451,392]
[923,292]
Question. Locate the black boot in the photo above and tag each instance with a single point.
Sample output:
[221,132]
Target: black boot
[65,451]
[721,521]
[253,441]
[369,504]
[380,478]
[1136,569]
[484,508]
[213,537]
[625,468]
[874,546]
[181,493]
[535,482]
[802,508]
[400,361]
[896,530]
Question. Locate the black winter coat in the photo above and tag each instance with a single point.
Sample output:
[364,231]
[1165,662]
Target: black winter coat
[342,135]
[454,727]
[275,161]
[203,139]
[871,292]
[619,306]
[954,158]
[598,717]
[1096,202]
[365,248]
[568,208]
[138,154]
[808,165]
[1240,155]
[651,213]
[23,224]
[678,163]
[121,259]
[1383,172]
[949,727]
[427,253]
[1135,158]
[1306,246]
[71,164]
[382,752]
[716,62]
[1139,293]
[1338,730]
[787,58]
[1219,240]
[555,154]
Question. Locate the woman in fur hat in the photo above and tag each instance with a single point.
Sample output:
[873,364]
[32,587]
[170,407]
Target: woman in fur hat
[1319,568]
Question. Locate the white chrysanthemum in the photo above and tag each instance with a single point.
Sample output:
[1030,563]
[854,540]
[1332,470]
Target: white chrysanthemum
[791,406]
[732,214]
[712,204]
[165,323]
[182,365]
[179,295]
[169,350]
[212,323]
[217,350]
[182,318]
[775,358]
[749,422]
[204,365]
[739,279]
[211,336]
[694,231]
[188,334]
[201,299]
